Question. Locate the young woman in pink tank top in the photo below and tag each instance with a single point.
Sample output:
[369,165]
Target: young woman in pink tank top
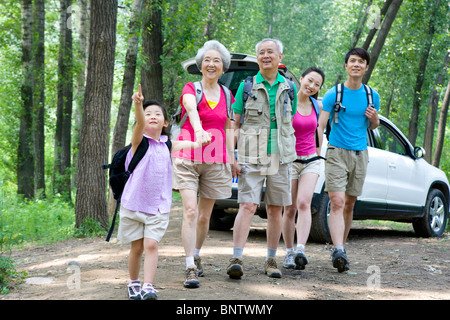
[304,175]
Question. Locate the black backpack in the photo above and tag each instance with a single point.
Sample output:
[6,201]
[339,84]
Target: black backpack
[118,176]
[338,105]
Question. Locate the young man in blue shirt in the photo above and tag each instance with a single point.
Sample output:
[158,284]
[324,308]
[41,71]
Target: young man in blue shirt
[347,155]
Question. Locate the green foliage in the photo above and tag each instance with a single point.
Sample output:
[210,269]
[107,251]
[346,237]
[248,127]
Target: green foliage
[40,221]
[9,276]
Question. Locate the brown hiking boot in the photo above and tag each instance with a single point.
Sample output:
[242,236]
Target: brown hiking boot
[235,270]
[191,277]
[271,269]
[198,263]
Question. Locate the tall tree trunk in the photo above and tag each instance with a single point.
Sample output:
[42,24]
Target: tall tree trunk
[441,128]
[63,133]
[80,82]
[39,96]
[381,38]
[413,123]
[91,192]
[123,116]
[432,110]
[208,30]
[25,158]
[357,33]
[151,72]
[373,30]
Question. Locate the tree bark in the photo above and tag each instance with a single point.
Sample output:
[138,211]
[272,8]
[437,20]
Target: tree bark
[381,38]
[39,96]
[91,192]
[63,134]
[151,72]
[123,116]
[80,82]
[25,158]
[432,110]
[441,128]
[413,123]
[373,31]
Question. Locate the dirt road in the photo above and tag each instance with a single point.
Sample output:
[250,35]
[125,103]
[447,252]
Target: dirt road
[385,265]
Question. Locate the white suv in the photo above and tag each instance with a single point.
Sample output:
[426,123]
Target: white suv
[400,185]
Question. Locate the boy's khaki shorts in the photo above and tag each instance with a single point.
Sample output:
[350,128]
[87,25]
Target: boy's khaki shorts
[135,225]
[345,170]
[210,180]
[277,182]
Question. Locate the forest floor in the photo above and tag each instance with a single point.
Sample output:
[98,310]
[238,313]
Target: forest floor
[385,264]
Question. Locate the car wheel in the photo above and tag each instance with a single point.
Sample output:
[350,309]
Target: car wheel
[319,224]
[434,220]
[222,221]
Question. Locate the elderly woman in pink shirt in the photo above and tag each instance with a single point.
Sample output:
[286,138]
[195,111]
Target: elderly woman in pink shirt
[203,175]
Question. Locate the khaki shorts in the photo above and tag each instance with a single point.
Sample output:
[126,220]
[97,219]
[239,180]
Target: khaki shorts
[345,170]
[297,168]
[210,180]
[135,225]
[253,178]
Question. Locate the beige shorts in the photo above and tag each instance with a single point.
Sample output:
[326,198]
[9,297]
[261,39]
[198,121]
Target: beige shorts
[253,178]
[297,168]
[345,170]
[210,180]
[135,225]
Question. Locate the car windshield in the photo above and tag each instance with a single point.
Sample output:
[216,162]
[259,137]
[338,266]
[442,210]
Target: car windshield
[233,79]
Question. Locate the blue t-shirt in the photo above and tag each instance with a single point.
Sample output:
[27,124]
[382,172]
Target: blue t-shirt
[351,130]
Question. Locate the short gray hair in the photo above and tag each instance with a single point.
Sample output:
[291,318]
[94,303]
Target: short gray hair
[213,45]
[276,41]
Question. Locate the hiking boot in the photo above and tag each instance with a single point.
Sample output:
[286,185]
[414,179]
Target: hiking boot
[234,269]
[289,262]
[191,277]
[300,260]
[198,264]
[134,290]
[148,293]
[340,260]
[271,269]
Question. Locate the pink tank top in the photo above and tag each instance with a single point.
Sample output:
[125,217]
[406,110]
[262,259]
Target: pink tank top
[305,128]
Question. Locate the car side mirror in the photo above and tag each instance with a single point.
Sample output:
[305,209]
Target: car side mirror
[419,152]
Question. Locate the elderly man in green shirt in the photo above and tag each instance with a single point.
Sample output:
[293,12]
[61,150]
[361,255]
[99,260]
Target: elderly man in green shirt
[266,148]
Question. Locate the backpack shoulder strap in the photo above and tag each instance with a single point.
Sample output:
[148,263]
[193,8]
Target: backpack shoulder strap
[139,154]
[227,92]
[198,92]
[316,106]
[369,95]
[169,144]
[290,94]
[198,97]
[338,103]
[248,85]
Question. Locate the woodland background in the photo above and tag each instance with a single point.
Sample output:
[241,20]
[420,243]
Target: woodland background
[68,69]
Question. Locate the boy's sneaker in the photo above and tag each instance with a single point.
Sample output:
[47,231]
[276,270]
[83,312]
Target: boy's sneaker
[191,277]
[271,269]
[198,264]
[300,260]
[234,269]
[340,260]
[288,261]
[148,292]
[134,290]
